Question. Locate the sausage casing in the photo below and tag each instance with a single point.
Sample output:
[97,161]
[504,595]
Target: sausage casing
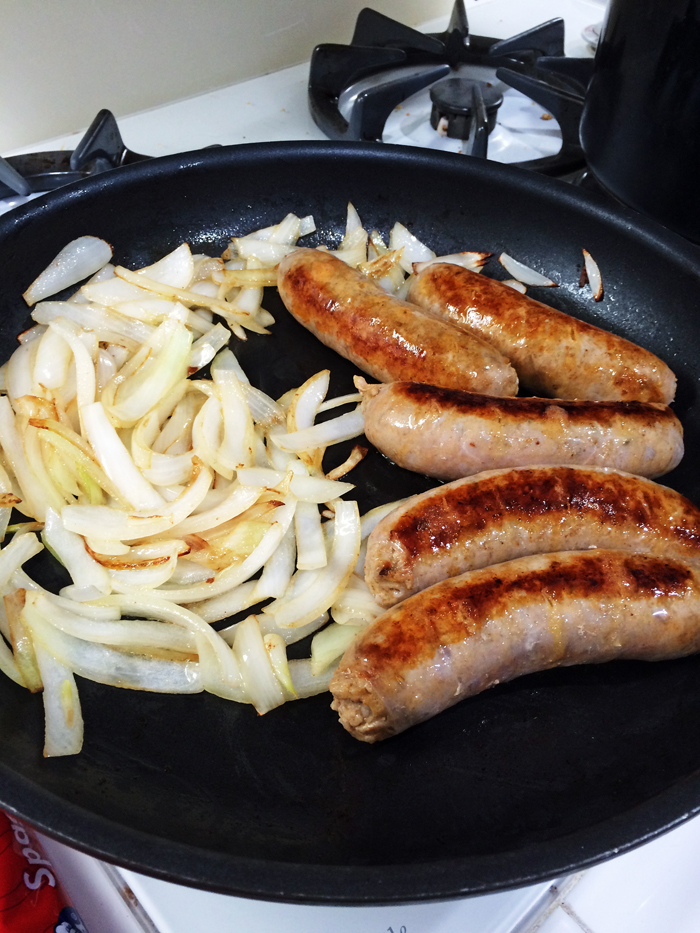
[471,632]
[450,434]
[385,337]
[501,515]
[553,353]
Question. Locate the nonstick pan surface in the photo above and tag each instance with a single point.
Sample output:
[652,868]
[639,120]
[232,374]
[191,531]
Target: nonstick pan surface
[529,780]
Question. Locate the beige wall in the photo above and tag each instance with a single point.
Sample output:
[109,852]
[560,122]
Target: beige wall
[62,60]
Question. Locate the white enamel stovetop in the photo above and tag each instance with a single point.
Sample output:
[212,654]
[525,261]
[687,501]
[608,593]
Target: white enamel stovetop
[650,890]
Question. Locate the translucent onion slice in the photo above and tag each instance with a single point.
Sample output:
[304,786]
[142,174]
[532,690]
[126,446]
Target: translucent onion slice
[357,454]
[128,632]
[330,644]
[70,549]
[108,666]
[595,280]
[302,412]
[21,640]
[228,604]
[175,268]
[158,469]
[19,369]
[237,445]
[157,376]
[311,548]
[276,649]
[278,569]
[218,667]
[116,461]
[412,249]
[469,260]
[63,718]
[205,348]
[109,326]
[355,603]
[306,683]
[524,273]
[76,261]
[305,488]
[8,665]
[106,522]
[73,450]
[84,363]
[261,682]
[52,360]
[237,500]
[353,248]
[518,286]
[342,428]
[237,573]
[16,553]
[324,586]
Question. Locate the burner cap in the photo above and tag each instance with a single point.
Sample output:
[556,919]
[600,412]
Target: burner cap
[452,106]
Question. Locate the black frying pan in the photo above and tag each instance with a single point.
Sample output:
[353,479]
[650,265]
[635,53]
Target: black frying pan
[529,780]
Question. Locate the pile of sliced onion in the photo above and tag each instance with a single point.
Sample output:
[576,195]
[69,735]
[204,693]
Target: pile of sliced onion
[172,500]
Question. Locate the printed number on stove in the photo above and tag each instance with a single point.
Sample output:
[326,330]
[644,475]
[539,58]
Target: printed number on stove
[391,930]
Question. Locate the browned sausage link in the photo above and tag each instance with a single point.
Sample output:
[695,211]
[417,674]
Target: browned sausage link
[491,625]
[500,515]
[450,434]
[385,337]
[553,353]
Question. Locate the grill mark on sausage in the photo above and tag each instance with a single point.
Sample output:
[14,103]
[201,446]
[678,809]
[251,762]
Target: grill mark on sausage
[413,632]
[582,411]
[455,513]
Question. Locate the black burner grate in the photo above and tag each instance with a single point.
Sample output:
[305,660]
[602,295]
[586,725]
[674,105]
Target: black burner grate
[353,88]
[100,149]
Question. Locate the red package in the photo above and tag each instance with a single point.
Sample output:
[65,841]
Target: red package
[31,898]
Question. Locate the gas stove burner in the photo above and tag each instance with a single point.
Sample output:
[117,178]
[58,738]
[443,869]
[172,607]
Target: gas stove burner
[456,100]
[388,71]
[100,149]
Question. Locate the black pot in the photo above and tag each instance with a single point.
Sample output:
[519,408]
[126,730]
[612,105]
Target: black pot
[640,129]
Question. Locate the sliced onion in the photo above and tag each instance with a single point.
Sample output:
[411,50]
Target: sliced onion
[469,260]
[412,249]
[230,603]
[22,641]
[76,261]
[342,428]
[62,714]
[108,666]
[261,682]
[306,683]
[311,547]
[513,283]
[372,518]
[105,522]
[129,633]
[595,280]
[175,268]
[524,273]
[116,461]
[278,569]
[324,585]
[355,604]
[70,549]
[330,644]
